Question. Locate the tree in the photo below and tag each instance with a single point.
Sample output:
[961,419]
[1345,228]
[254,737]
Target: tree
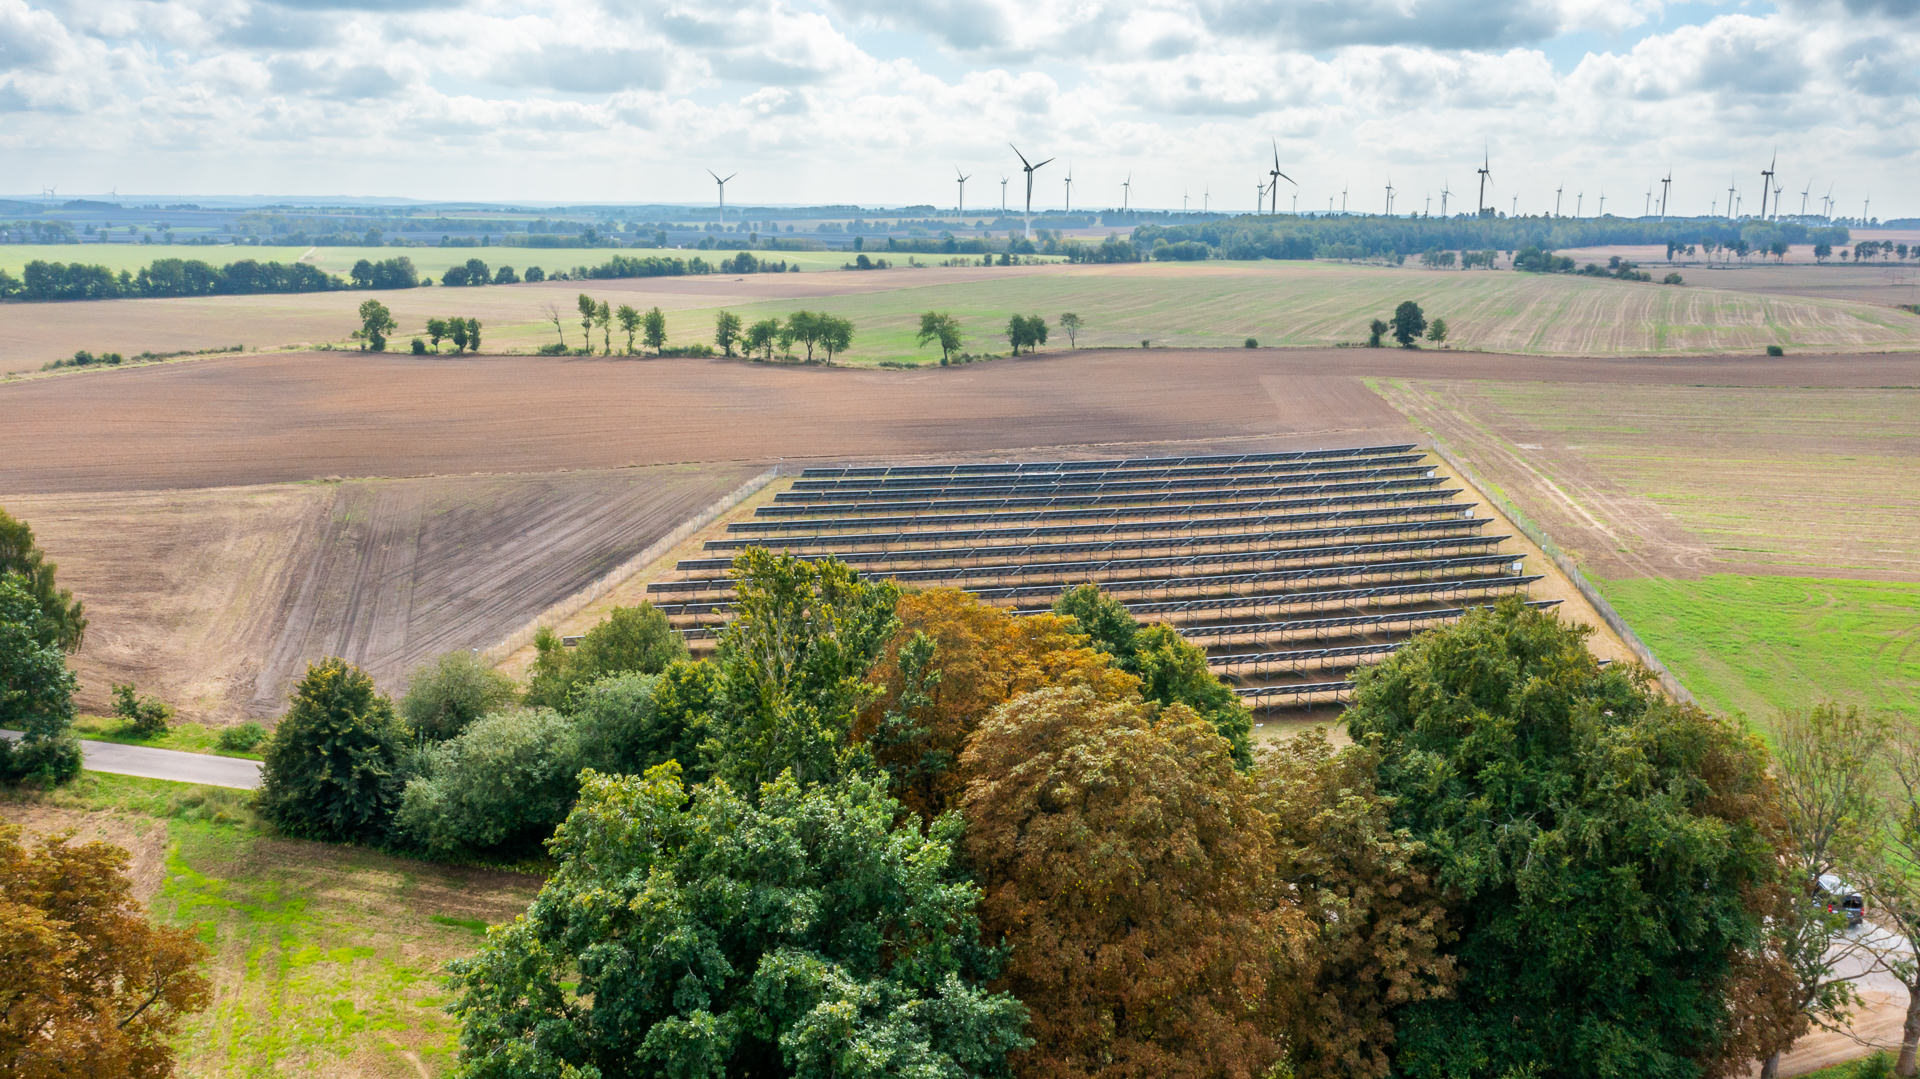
[553,316]
[63,618]
[629,318]
[588,308]
[437,329]
[1608,857]
[1121,856]
[1828,763]
[505,276]
[457,330]
[806,328]
[146,716]
[362,274]
[700,933]
[603,318]
[654,336]
[332,768]
[89,986]
[36,692]
[1377,928]
[793,666]
[499,787]
[836,335]
[1408,323]
[473,334]
[628,723]
[447,694]
[943,328]
[376,322]
[1171,671]
[1375,331]
[634,638]
[1070,322]
[726,330]
[1887,877]
[1028,330]
[953,659]
[1437,331]
[762,335]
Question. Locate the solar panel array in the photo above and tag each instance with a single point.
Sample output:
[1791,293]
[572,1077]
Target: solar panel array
[1291,569]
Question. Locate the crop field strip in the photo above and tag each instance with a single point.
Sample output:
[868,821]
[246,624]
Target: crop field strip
[1291,569]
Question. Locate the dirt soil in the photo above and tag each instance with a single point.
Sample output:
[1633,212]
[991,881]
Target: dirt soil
[263,419]
[143,838]
[217,599]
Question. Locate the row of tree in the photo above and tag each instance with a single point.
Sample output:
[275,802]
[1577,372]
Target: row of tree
[464,333]
[42,280]
[1408,324]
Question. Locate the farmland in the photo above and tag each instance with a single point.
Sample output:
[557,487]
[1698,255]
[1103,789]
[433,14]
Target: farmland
[1211,304]
[428,260]
[1761,539]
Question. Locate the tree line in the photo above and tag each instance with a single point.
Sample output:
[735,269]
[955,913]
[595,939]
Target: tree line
[41,280]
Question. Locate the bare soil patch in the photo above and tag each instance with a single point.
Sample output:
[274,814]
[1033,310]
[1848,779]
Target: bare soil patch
[217,599]
[143,838]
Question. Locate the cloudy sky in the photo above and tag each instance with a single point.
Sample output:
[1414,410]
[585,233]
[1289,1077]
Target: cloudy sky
[877,101]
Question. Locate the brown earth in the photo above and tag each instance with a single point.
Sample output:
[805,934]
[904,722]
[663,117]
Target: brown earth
[31,334]
[216,599]
[263,419]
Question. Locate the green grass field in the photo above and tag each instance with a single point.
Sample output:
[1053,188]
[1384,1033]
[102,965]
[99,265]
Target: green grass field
[1220,304]
[183,735]
[326,960]
[338,260]
[1761,645]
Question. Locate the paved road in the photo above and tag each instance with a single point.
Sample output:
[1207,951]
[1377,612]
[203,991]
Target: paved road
[167,764]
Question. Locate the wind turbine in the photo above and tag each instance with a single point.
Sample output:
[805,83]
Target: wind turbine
[1206,199]
[1274,176]
[1729,196]
[1766,181]
[1602,212]
[1486,176]
[1389,196]
[1003,193]
[1578,198]
[1069,187]
[1343,198]
[723,190]
[1515,212]
[1029,170]
[1428,212]
[1666,186]
[1647,210]
[1826,203]
[1803,198]
[1556,199]
[1259,196]
[1864,203]
[1296,204]
[1443,198]
[1126,190]
[962,211]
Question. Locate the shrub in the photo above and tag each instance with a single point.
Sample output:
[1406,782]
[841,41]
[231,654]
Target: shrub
[36,691]
[241,739]
[43,762]
[1671,279]
[628,723]
[332,767]
[146,716]
[447,694]
[500,786]
[419,347]
[630,639]
[553,348]
[1251,343]
[1776,350]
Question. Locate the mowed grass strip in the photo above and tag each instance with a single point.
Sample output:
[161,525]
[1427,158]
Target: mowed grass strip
[1761,645]
[1217,304]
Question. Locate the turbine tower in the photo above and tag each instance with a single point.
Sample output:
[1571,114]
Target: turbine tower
[1766,181]
[1647,210]
[1515,212]
[723,190]
[1730,197]
[1343,198]
[962,211]
[1803,198]
[1486,176]
[1602,212]
[1003,193]
[1666,186]
[1274,176]
[1443,198]
[1069,187]
[1126,190]
[1259,196]
[1556,199]
[1029,169]
[1578,198]
[1826,204]
[1778,190]
[1389,196]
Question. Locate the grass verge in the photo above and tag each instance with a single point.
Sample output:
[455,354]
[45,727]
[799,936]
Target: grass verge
[183,735]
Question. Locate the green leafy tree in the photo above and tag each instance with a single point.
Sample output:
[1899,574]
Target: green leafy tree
[588,308]
[634,638]
[794,665]
[836,335]
[499,787]
[603,318]
[36,692]
[1028,331]
[938,326]
[1608,857]
[437,330]
[762,335]
[654,332]
[376,322]
[805,328]
[332,769]
[473,334]
[145,716]
[1171,670]
[63,619]
[457,331]
[1375,331]
[628,723]
[726,330]
[1408,323]
[446,695]
[811,933]
[1437,331]
[1071,323]
[629,318]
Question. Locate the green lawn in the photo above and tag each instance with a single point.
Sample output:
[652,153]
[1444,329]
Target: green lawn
[183,735]
[1758,645]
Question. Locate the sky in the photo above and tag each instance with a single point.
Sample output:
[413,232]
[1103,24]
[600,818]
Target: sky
[878,102]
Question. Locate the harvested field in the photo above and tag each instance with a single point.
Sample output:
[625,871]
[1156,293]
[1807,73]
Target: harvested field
[217,598]
[432,261]
[263,419]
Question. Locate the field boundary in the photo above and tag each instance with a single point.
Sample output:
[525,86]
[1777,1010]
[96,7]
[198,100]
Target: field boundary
[607,582]
[1668,680]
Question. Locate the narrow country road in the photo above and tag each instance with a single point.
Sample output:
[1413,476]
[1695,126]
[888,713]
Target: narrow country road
[167,764]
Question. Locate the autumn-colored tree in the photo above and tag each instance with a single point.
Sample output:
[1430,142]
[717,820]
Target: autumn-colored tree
[88,986]
[1122,856]
[976,657]
[1377,924]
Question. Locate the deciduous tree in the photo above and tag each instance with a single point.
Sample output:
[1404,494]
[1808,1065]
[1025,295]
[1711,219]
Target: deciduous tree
[332,767]
[64,618]
[36,692]
[726,330]
[1408,323]
[603,318]
[943,328]
[762,335]
[376,322]
[654,334]
[436,330]
[89,986]
[447,694]
[1071,323]
[629,318]
[588,308]
[635,638]
[1437,331]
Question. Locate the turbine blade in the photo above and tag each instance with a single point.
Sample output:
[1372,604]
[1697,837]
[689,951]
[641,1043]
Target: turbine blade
[1042,163]
[1285,177]
[1021,156]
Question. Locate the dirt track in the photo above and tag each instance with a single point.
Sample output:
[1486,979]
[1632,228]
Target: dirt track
[249,420]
